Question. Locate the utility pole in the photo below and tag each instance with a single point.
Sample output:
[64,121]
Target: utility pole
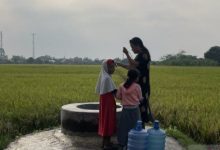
[33,42]
[1,40]
[2,52]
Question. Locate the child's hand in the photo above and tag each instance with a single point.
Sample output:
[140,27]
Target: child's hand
[114,92]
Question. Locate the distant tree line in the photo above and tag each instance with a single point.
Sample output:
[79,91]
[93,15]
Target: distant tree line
[211,58]
[51,60]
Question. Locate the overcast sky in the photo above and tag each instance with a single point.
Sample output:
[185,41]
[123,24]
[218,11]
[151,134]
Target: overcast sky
[100,28]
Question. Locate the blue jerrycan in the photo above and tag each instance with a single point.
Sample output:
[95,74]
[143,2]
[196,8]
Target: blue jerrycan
[137,138]
[156,137]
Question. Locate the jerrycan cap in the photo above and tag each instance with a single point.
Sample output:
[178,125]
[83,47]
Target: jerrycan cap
[138,125]
[156,125]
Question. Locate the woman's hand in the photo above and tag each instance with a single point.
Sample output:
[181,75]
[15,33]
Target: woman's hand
[142,109]
[125,50]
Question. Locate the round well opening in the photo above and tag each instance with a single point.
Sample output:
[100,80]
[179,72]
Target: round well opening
[91,106]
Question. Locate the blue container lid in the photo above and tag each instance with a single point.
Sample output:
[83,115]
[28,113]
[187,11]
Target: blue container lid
[156,131]
[156,125]
[138,125]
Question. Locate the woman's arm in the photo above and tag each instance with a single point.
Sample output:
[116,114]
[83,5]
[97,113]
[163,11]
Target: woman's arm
[123,65]
[132,62]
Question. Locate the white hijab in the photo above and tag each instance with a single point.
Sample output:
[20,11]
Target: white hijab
[105,83]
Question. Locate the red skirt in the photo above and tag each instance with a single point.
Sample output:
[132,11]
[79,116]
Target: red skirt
[107,115]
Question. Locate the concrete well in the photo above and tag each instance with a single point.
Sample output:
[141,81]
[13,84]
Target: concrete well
[82,117]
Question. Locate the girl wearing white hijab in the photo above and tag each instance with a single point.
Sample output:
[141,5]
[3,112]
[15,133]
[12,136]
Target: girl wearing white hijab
[106,88]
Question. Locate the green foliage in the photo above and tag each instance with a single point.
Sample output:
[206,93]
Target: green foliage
[180,137]
[4,140]
[188,98]
[32,95]
[180,59]
[18,60]
[213,53]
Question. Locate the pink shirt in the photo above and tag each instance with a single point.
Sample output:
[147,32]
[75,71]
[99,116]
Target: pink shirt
[130,96]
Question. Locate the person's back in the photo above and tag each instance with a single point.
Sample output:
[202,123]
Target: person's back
[130,95]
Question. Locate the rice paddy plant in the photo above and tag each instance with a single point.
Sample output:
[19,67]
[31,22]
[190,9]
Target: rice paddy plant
[189,99]
[31,96]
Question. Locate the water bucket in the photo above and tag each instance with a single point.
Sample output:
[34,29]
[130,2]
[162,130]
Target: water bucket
[156,137]
[137,138]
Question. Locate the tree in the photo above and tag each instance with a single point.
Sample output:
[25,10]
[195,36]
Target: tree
[180,59]
[77,60]
[87,60]
[18,60]
[213,53]
[43,59]
[30,60]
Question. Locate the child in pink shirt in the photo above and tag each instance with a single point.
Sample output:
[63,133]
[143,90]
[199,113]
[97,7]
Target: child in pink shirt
[130,95]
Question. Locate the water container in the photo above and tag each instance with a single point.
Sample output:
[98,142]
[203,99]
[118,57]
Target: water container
[137,138]
[156,137]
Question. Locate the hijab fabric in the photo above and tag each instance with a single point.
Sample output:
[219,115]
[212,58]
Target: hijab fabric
[105,83]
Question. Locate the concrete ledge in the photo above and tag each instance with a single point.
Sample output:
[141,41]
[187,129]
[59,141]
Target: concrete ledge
[81,117]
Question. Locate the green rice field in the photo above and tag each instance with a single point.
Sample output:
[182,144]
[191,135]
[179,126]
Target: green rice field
[187,98]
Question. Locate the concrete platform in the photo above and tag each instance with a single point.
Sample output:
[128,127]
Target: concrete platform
[82,117]
[79,124]
[56,140]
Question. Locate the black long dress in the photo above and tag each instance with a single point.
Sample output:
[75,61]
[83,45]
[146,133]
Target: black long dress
[144,81]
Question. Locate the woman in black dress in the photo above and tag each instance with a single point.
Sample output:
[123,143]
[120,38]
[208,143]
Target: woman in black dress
[141,63]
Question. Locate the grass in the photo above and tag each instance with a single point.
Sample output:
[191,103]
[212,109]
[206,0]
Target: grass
[182,138]
[31,97]
[188,98]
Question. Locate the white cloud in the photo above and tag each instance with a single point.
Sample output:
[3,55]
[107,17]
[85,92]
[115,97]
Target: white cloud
[97,28]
